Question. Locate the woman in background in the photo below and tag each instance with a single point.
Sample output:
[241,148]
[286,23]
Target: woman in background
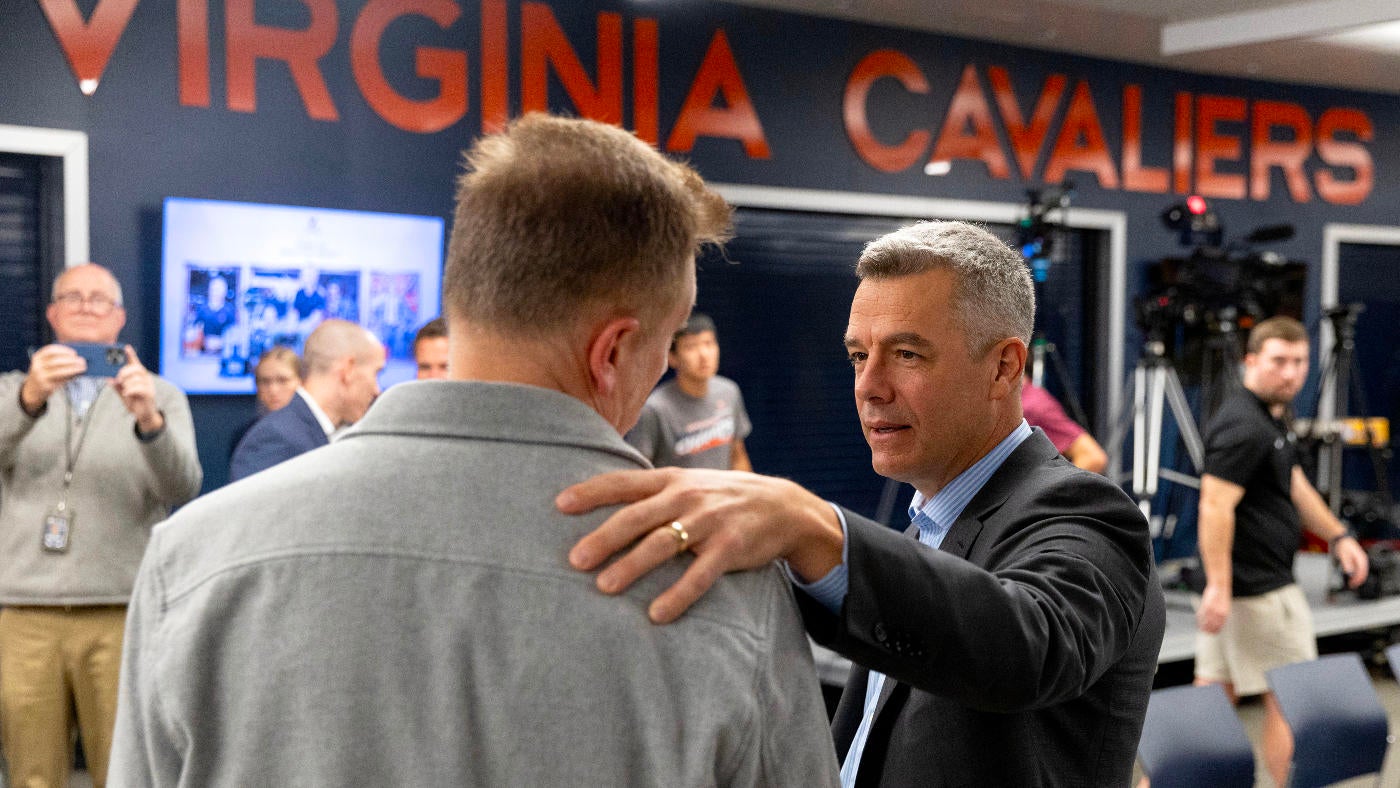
[277,376]
[276,379]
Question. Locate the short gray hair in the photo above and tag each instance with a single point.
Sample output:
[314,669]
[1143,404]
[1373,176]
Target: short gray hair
[993,296]
[116,285]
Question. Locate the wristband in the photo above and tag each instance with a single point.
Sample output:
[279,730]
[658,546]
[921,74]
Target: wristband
[1332,543]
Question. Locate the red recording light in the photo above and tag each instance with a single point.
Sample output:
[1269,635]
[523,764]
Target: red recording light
[1196,204]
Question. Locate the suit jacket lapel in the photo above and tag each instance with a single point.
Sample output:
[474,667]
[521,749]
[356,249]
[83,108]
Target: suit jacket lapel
[1033,451]
[314,432]
[849,710]
[959,540]
[887,690]
[963,534]
[893,696]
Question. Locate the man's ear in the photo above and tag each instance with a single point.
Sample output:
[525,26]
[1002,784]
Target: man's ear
[1010,355]
[343,367]
[611,347]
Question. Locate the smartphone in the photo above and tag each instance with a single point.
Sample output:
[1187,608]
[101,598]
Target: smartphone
[103,361]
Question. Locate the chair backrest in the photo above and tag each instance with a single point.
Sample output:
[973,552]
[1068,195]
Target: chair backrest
[1339,725]
[1392,655]
[1192,737]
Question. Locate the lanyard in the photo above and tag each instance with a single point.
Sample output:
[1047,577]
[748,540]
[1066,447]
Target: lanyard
[71,452]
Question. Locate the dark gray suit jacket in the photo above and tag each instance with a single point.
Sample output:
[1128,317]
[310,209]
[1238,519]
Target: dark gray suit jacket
[1022,652]
[277,437]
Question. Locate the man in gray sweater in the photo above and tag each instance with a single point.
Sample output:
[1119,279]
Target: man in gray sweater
[396,609]
[88,463]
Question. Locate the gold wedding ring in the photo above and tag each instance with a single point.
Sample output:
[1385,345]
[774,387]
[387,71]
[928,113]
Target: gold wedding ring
[681,536]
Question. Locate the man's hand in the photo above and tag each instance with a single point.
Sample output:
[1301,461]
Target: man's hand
[138,392]
[1350,554]
[1214,609]
[735,521]
[50,367]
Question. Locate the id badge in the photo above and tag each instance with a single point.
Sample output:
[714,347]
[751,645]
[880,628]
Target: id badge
[58,527]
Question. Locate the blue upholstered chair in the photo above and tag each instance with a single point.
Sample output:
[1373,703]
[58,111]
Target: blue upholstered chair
[1191,737]
[1392,655]
[1339,725]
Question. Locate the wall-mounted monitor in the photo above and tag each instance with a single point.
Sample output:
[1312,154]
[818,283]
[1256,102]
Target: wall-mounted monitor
[239,278]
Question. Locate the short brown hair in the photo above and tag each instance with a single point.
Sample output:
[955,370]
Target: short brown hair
[993,296]
[1280,327]
[433,329]
[556,214]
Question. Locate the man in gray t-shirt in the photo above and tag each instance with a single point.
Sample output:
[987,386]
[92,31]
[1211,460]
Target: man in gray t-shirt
[697,419]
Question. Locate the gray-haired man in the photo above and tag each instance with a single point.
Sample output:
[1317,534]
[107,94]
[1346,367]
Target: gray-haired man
[1010,637]
[88,463]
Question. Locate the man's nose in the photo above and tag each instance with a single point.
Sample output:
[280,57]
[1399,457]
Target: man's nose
[871,383]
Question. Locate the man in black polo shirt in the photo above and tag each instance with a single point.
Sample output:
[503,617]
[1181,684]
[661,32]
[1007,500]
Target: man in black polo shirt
[1255,500]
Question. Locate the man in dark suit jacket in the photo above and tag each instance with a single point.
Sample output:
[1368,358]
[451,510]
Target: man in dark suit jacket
[1013,639]
[1038,671]
[343,362]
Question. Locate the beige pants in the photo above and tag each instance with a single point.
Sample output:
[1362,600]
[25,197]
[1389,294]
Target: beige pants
[54,660]
[1261,633]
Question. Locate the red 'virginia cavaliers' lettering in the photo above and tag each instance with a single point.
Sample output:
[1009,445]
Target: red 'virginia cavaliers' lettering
[1208,144]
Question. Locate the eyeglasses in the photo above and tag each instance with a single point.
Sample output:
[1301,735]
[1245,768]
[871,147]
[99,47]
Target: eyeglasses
[98,303]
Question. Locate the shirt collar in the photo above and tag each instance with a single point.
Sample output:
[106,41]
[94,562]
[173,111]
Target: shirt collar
[1267,409]
[82,392]
[321,417]
[935,515]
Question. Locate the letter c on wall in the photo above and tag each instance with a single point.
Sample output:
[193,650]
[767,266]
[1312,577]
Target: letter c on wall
[883,63]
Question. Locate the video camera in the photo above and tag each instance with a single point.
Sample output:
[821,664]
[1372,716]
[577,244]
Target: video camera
[1215,290]
[1037,236]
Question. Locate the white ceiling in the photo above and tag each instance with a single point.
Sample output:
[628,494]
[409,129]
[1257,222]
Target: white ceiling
[1337,43]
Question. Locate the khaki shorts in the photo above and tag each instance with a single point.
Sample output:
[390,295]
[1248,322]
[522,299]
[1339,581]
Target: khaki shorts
[1262,633]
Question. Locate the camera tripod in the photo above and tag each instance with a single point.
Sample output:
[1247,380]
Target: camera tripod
[1220,365]
[1344,377]
[1153,385]
[1043,349]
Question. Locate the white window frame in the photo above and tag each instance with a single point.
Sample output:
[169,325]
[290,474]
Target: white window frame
[72,148]
[1333,236]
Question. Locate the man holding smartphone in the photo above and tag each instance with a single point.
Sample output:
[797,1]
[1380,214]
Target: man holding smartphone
[91,456]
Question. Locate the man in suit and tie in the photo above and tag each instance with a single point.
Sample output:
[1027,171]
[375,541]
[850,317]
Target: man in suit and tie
[395,609]
[1010,636]
[342,362]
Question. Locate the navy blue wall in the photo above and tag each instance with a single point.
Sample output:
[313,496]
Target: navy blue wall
[146,146]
